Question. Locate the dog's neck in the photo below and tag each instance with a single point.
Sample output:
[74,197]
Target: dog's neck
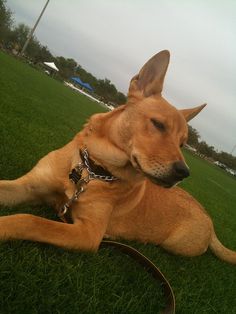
[103,136]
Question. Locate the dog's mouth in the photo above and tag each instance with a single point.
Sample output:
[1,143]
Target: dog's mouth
[160,181]
[167,182]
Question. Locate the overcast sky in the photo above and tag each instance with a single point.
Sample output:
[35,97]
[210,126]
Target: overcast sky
[113,39]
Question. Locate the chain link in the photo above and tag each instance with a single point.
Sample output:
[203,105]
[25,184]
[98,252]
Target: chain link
[82,181]
[93,175]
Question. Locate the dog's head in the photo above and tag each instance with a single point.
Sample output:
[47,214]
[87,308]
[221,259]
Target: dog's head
[157,130]
[148,130]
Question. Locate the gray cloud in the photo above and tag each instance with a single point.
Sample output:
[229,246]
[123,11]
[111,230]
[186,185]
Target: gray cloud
[114,38]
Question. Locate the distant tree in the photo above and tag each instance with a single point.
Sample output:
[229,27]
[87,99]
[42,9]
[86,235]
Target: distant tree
[44,54]
[6,21]
[103,88]
[205,149]
[67,66]
[193,136]
[19,34]
[35,51]
[227,159]
[86,76]
[121,98]
[109,93]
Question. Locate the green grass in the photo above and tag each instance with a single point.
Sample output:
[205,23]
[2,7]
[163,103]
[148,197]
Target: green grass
[39,114]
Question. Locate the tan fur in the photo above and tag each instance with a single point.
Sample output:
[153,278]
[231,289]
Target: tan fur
[128,144]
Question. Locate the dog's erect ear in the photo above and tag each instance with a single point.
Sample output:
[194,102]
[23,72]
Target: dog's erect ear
[189,114]
[150,79]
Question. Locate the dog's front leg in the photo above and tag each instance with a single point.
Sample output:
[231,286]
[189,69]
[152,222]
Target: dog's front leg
[39,184]
[13,192]
[86,234]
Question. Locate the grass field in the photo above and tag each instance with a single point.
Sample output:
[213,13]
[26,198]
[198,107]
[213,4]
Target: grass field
[39,114]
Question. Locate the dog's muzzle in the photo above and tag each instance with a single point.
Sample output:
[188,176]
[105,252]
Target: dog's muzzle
[178,172]
[168,177]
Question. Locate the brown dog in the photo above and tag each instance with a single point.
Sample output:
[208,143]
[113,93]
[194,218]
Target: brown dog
[138,143]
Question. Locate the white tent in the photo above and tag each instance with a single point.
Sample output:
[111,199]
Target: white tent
[51,65]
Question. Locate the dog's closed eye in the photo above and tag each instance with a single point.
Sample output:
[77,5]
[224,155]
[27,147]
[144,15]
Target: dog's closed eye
[158,125]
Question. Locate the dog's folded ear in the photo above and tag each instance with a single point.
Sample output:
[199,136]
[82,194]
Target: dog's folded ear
[151,77]
[189,114]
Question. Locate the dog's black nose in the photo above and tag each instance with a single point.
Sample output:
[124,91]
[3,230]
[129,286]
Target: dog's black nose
[180,169]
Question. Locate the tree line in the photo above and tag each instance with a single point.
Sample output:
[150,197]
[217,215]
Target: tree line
[13,37]
[209,151]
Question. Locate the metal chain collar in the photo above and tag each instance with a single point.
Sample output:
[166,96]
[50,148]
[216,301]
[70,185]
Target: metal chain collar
[93,175]
[76,177]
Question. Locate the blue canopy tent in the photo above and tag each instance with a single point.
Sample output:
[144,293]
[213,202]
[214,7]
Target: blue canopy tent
[77,80]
